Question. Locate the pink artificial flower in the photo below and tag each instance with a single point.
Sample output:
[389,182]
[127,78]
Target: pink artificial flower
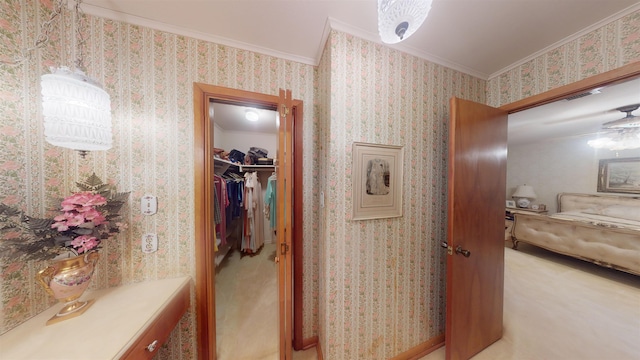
[79,209]
[84,243]
[95,216]
[83,201]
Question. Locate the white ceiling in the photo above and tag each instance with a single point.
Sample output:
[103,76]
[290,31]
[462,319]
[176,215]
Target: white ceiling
[570,118]
[232,118]
[479,37]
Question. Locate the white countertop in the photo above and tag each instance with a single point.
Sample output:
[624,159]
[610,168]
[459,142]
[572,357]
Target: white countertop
[105,331]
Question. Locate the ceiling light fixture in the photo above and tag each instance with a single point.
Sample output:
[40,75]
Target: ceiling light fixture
[251,115]
[625,139]
[399,19]
[629,121]
[76,109]
[624,133]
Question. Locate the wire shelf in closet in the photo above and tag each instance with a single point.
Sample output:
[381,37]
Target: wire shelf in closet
[222,165]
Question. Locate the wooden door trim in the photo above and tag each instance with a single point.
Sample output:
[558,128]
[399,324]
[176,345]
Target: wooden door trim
[205,265]
[620,74]
[297,225]
[203,168]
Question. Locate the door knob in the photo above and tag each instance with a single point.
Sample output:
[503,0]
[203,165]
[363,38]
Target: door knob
[463,252]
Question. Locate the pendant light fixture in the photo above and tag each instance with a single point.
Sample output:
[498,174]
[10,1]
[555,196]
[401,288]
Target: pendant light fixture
[399,19]
[76,109]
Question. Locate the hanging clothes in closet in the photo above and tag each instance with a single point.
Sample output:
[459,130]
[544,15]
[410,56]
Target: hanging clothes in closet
[270,198]
[234,214]
[253,206]
[220,209]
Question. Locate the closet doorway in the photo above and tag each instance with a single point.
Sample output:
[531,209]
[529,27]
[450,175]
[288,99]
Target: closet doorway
[289,187]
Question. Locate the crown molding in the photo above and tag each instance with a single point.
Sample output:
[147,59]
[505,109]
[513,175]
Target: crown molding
[333,24]
[617,16]
[178,30]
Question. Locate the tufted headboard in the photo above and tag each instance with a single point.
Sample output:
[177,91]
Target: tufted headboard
[576,202]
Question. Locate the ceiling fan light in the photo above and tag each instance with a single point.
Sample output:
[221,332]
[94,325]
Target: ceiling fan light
[399,19]
[629,121]
[626,139]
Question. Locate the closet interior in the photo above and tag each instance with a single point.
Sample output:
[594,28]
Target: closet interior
[245,144]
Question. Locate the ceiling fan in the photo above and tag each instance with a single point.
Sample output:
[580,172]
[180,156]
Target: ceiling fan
[629,121]
[621,134]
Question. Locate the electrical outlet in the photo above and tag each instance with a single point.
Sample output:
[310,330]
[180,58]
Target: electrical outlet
[149,243]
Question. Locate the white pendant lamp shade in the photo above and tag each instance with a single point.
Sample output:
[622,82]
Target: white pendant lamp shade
[399,19]
[76,110]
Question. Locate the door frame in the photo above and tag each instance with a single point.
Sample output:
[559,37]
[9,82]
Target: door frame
[203,197]
[620,74]
[607,78]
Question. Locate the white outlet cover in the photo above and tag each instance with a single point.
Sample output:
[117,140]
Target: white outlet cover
[148,205]
[149,243]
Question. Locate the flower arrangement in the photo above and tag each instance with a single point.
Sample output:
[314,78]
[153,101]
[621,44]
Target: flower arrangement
[86,218]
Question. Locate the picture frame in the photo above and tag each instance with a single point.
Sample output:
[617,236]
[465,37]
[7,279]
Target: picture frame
[619,175]
[511,203]
[377,181]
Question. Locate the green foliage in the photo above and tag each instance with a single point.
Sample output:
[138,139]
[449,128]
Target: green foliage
[25,238]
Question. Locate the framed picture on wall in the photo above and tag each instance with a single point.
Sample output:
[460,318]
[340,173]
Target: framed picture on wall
[619,175]
[377,181]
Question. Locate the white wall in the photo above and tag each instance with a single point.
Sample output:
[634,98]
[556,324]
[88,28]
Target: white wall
[554,166]
[240,140]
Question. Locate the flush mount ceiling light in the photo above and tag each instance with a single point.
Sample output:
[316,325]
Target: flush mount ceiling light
[251,115]
[76,109]
[399,19]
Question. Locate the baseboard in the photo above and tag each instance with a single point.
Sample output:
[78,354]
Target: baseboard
[421,350]
[309,342]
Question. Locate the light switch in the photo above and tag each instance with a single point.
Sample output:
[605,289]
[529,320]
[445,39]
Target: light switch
[148,205]
[149,243]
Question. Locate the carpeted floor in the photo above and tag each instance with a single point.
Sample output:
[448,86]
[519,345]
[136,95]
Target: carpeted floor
[556,307]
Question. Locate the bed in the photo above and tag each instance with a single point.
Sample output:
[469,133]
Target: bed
[602,229]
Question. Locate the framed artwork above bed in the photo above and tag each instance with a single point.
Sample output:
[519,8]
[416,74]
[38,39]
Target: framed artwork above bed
[619,175]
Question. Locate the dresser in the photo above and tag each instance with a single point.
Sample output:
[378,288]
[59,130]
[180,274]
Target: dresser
[125,322]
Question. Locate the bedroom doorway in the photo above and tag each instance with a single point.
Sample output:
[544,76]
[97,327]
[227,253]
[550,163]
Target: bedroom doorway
[560,131]
[621,74]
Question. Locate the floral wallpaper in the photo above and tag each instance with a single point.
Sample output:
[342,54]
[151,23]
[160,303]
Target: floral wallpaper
[383,281]
[372,289]
[609,47]
[149,75]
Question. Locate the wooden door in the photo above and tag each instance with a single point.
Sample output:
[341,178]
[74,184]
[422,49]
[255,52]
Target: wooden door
[284,223]
[203,189]
[476,203]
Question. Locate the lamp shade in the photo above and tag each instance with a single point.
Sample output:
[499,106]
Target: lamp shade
[524,191]
[76,110]
[399,19]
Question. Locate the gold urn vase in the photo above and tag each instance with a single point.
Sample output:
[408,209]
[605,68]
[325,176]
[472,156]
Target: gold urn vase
[66,280]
